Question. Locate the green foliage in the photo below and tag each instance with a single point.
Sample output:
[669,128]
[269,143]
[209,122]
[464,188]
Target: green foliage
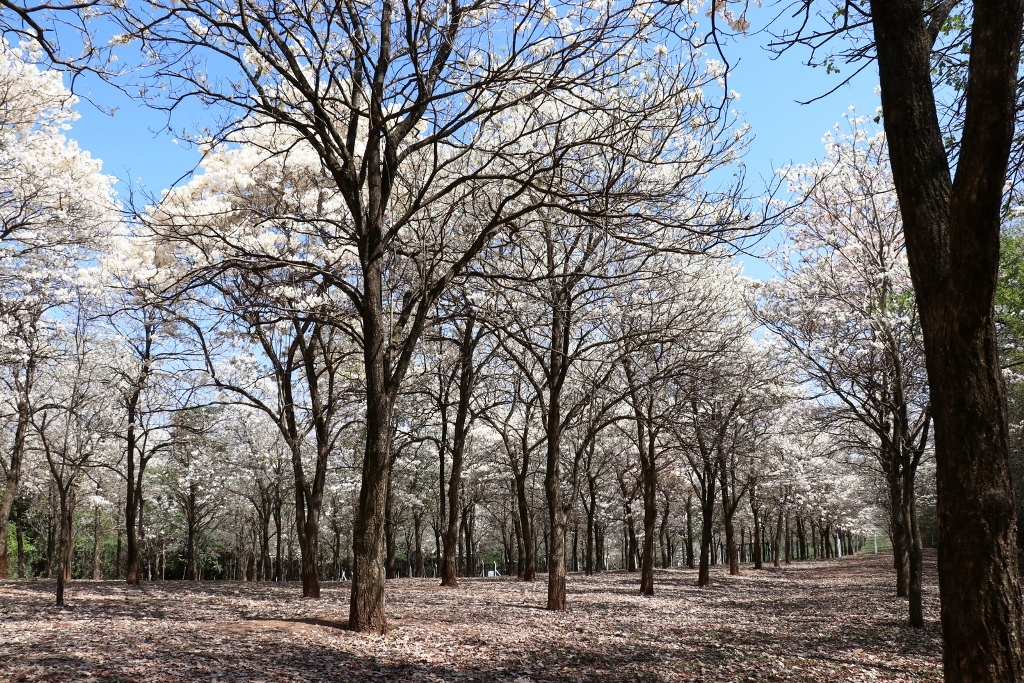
[28,548]
[1010,299]
[1010,321]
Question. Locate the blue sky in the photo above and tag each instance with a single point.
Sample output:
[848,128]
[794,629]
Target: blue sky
[136,147]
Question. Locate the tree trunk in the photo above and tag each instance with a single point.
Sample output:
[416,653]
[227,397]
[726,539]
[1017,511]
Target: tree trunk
[14,468]
[588,563]
[467,529]
[390,530]
[897,525]
[646,441]
[755,511]
[915,551]
[730,538]
[631,540]
[706,535]
[529,534]
[556,514]
[778,540]
[366,603]
[466,380]
[67,542]
[97,572]
[19,539]
[417,532]
[952,231]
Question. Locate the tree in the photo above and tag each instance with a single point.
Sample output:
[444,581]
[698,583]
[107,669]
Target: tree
[846,310]
[952,227]
[405,106]
[55,209]
[281,345]
[669,333]
[70,427]
[951,223]
[139,273]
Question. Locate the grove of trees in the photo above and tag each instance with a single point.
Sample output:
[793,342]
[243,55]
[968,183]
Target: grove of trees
[455,291]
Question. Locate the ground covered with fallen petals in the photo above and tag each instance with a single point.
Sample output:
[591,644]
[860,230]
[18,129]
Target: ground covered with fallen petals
[836,620]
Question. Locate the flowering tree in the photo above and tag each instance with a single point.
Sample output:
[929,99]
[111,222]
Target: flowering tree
[406,109]
[846,309]
[55,210]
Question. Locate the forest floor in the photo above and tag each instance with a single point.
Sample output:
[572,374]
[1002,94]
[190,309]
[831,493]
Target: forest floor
[835,620]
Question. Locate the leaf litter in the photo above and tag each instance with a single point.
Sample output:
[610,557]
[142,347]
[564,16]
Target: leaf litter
[834,620]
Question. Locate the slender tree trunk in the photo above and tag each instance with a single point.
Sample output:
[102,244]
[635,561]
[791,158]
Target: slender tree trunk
[789,545]
[915,555]
[10,491]
[588,563]
[756,548]
[20,541]
[777,541]
[417,532]
[689,531]
[97,572]
[279,547]
[706,535]
[467,345]
[529,534]
[390,546]
[631,540]
[67,541]
[517,527]
[646,440]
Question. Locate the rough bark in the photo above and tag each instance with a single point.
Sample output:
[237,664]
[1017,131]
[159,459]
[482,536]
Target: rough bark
[650,477]
[952,231]
[366,604]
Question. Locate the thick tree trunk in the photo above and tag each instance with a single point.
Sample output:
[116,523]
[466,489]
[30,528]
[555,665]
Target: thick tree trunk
[556,515]
[366,607]
[557,369]
[366,604]
[952,233]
